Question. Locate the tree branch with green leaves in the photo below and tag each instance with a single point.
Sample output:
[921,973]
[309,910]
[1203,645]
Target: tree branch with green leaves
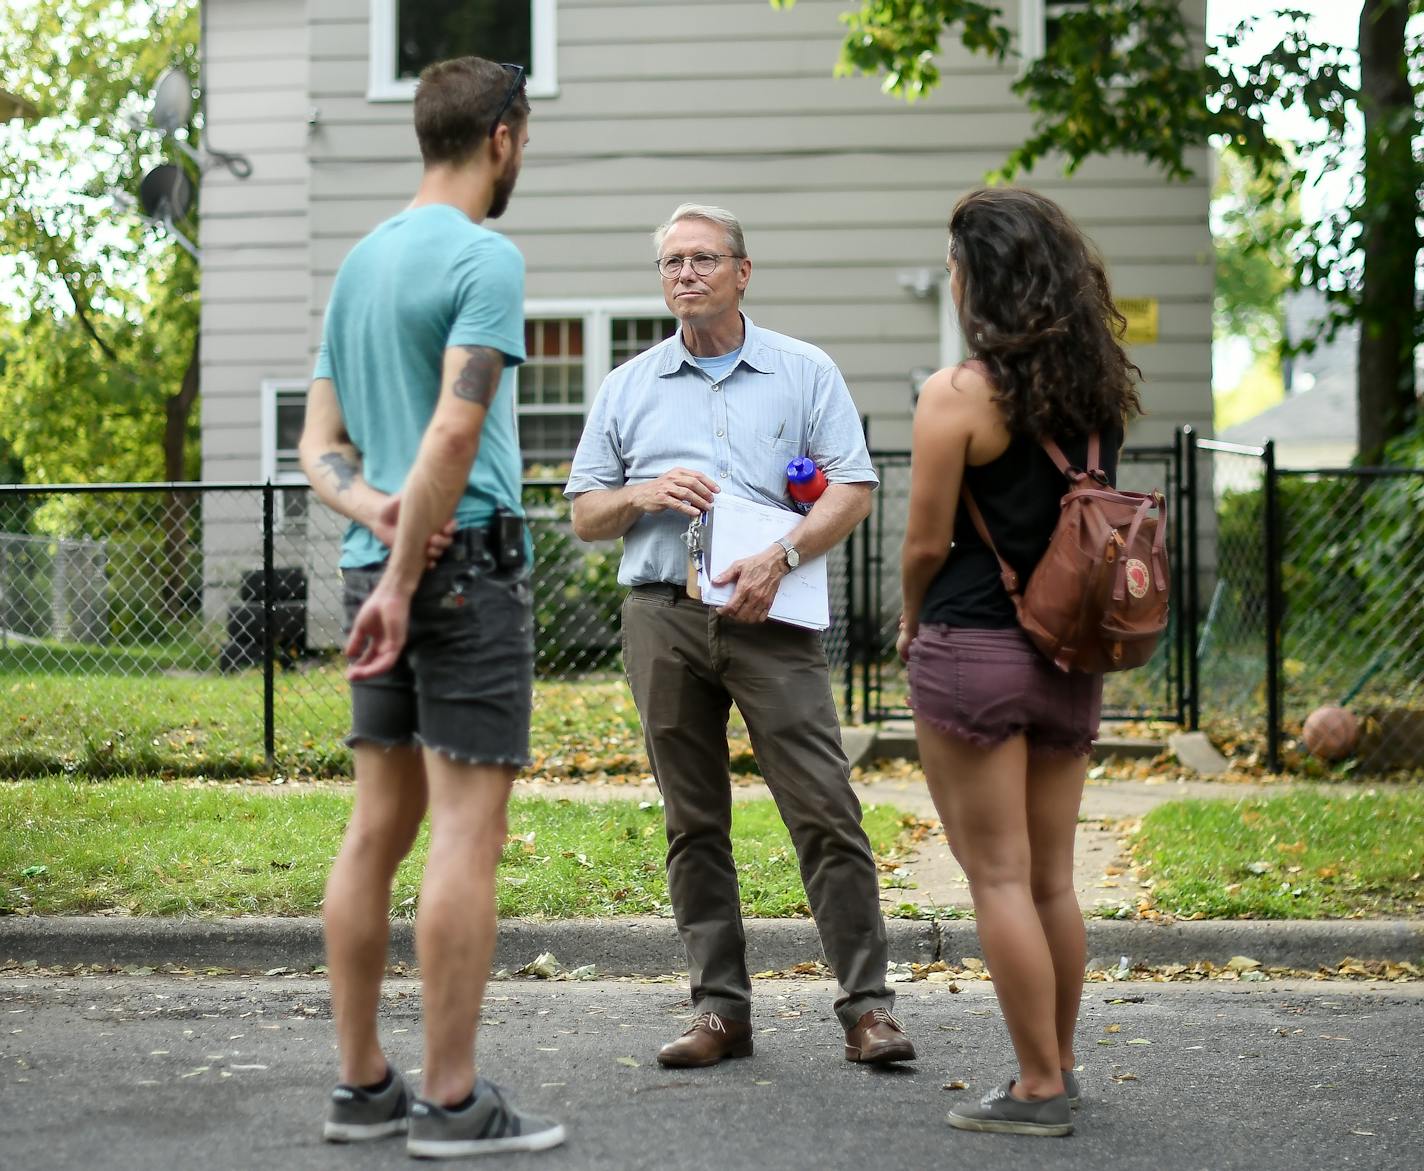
[1135,77]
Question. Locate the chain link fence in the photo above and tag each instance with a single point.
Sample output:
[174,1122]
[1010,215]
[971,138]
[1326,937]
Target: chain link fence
[1155,691]
[1315,598]
[1232,631]
[1352,619]
[201,624]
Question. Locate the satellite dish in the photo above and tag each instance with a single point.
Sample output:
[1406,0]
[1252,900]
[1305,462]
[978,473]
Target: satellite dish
[172,101]
[166,194]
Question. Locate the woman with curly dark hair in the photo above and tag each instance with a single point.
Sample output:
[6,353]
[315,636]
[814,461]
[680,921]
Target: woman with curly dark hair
[1004,734]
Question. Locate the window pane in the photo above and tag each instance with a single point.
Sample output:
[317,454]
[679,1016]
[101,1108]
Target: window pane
[549,438]
[1053,13]
[432,30]
[633,335]
[553,370]
[291,411]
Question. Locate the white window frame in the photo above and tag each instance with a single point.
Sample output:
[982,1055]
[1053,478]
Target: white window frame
[1033,27]
[597,339]
[272,389]
[383,85]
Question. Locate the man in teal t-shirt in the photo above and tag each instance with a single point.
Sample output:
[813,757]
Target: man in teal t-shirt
[424,281]
[410,433]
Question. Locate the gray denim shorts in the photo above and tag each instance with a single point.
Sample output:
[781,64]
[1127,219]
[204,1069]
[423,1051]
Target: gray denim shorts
[463,684]
[985,686]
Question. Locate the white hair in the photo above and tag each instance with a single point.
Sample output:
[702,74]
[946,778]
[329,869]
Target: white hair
[736,242]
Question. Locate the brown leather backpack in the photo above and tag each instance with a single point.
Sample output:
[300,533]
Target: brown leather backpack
[1097,601]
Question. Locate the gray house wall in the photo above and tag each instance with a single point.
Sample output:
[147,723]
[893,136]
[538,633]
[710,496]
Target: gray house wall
[844,194]
[841,189]
[255,232]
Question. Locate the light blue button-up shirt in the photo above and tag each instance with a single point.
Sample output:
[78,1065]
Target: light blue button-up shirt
[783,399]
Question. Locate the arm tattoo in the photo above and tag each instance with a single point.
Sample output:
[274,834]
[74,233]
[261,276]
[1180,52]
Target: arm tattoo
[340,468]
[479,378]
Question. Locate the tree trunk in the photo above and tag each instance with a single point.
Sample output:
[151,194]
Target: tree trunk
[179,506]
[1390,238]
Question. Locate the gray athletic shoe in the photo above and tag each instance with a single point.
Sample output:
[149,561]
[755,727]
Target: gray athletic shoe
[487,1126]
[1071,1088]
[355,1115]
[999,1112]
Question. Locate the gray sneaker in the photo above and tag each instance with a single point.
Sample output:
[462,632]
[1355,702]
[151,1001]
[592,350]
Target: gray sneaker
[487,1126]
[999,1112]
[1071,1088]
[355,1115]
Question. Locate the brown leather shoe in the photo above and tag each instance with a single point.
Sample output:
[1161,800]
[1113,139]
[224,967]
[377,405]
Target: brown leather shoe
[878,1037]
[708,1040]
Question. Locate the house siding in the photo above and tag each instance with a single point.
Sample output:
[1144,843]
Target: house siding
[254,232]
[840,188]
[255,276]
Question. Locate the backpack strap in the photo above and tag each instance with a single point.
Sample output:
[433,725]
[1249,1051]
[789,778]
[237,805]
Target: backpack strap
[1007,574]
[1094,462]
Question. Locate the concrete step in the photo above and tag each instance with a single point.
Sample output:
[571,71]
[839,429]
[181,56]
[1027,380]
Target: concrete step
[895,739]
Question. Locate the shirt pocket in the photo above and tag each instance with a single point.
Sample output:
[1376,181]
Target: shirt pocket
[771,454]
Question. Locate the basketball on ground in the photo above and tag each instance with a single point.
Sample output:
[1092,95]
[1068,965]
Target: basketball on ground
[1331,732]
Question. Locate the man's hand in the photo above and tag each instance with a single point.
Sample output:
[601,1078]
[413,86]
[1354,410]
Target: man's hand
[757,579]
[678,489]
[378,634]
[383,525]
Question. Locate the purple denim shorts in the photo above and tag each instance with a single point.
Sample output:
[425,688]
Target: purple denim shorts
[985,686]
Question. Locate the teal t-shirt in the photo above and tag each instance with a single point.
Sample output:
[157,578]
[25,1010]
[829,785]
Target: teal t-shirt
[423,281]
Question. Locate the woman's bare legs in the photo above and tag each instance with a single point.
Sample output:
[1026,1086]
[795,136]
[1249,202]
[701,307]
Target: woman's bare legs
[1055,791]
[982,796]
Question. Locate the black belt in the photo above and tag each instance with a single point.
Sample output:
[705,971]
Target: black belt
[663,589]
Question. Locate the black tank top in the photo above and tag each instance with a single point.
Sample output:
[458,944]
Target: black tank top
[1018,493]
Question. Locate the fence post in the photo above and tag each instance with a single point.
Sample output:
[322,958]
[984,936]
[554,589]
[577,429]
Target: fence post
[1274,609]
[1193,581]
[268,621]
[869,598]
[1174,519]
[870,591]
[850,627]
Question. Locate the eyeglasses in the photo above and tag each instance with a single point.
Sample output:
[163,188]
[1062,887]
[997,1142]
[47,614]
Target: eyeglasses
[514,89]
[703,263]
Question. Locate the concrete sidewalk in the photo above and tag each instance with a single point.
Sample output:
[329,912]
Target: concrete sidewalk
[929,877]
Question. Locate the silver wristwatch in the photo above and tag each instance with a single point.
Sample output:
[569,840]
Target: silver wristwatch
[793,558]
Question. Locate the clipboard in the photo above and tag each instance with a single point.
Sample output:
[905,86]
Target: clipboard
[735,528]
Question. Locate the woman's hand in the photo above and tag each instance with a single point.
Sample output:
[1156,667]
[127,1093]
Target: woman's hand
[904,639]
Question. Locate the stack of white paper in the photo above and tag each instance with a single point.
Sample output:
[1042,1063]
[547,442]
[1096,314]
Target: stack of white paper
[737,528]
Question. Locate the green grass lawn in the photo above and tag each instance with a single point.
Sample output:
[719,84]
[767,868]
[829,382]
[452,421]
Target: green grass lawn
[1306,855]
[174,724]
[150,847]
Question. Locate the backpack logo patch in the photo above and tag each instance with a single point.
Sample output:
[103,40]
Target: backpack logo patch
[1138,579]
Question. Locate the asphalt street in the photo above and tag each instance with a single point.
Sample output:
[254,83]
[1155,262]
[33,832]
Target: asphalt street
[150,1071]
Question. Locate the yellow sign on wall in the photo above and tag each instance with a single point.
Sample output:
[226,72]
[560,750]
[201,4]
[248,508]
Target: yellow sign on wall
[1141,314]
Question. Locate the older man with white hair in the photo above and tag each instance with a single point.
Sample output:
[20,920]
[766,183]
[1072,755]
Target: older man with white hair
[725,405]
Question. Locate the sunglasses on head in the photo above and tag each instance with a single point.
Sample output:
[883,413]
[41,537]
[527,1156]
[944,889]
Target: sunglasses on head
[515,86]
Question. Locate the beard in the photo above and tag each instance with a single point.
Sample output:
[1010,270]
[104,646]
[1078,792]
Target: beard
[503,189]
